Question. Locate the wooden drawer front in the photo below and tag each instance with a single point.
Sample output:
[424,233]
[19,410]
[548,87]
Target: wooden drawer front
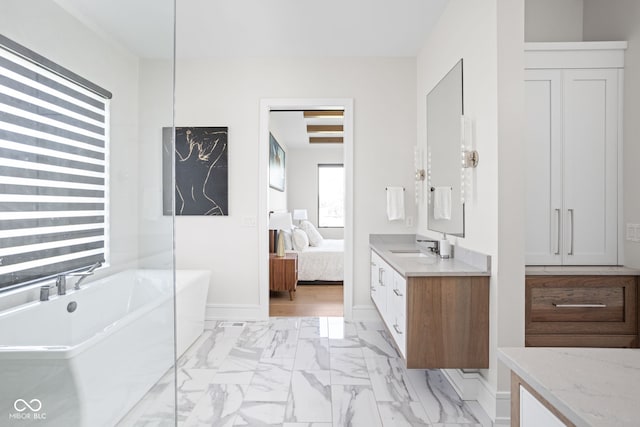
[565,340]
[572,304]
[581,304]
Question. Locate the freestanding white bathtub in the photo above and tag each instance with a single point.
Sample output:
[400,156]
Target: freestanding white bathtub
[89,367]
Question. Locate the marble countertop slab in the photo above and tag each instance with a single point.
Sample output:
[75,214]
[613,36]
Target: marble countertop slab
[594,387]
[580,270]
[468,264]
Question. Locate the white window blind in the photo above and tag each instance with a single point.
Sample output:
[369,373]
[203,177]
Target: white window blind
[53,169]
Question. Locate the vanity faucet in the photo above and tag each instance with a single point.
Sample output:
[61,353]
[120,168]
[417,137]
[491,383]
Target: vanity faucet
[434,245]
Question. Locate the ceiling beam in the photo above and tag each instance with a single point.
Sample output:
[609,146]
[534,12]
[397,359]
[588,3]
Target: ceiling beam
[324,128]
[327,140]
[323,114]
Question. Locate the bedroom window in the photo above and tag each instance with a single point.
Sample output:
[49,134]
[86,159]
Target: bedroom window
[53,168]
[331,196]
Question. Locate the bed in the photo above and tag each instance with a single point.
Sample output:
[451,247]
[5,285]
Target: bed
[319,259]
[324,262]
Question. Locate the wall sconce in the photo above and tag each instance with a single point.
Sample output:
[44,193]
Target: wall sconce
[420,175]
[470,158]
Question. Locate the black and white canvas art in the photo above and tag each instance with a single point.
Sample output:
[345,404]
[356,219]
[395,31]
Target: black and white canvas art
[201,170]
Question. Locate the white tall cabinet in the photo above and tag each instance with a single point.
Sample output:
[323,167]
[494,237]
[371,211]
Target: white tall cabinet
[573,94]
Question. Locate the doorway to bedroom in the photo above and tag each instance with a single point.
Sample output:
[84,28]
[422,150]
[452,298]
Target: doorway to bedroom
[308,208]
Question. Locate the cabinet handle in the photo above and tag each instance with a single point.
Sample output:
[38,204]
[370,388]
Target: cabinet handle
[397,292]
[382,271]
[594,305]
[397,329]
[571,230]
[379,276]
[557,231]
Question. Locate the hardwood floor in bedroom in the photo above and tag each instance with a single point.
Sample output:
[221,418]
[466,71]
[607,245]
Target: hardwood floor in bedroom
[309,300]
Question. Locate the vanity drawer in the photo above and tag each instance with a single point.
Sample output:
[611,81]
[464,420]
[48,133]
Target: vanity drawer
[581,304]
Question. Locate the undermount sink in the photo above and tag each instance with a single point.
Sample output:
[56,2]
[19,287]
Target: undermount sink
[410,254]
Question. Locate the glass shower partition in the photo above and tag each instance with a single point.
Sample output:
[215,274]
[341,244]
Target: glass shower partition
[87,276]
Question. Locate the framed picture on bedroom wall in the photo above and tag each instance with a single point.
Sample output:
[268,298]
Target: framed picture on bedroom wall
[276,164]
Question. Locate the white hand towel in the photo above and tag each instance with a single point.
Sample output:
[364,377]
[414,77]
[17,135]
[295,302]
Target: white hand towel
[395,203]
[442,203]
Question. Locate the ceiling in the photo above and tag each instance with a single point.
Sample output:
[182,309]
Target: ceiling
[260,28]
[231,28]
[300,129]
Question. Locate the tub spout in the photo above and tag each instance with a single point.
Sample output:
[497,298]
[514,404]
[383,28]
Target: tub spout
[84,274]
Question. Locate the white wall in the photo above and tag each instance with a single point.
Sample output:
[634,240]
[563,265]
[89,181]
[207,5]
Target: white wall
[620,20]
[227,92]
[44,27]
[488,35]
[553,20]
[302,176]
[155,229]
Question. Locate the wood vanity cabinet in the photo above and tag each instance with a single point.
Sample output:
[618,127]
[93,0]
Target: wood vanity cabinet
[435,321]
[581,311]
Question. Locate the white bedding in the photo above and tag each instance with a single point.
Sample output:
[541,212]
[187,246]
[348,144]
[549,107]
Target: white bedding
[324,262]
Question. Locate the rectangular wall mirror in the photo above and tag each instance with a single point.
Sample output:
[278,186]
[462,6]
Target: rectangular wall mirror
[444,184]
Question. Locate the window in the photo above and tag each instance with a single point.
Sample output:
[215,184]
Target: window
[53,168]
[330,196]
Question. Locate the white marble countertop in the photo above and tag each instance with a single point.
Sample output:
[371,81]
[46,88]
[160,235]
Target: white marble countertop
[580,270]
[429,265]
[594,387]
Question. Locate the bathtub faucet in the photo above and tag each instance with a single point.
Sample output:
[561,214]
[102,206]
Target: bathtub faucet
[84,274]
[44,292]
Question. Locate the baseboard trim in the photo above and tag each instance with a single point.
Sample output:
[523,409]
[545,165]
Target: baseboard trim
[364,312]
[473,386]
[233,312]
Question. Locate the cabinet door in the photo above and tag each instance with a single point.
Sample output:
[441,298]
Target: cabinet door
[373,286]
[590,166]
[543,163]
[535,414]
[378,289]
[396,310]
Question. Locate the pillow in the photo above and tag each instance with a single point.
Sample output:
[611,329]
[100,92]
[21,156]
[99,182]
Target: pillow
[300,240]
[288,243]
[315,238]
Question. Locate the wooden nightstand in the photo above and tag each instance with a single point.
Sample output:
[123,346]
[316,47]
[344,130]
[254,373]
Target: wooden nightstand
[283,273]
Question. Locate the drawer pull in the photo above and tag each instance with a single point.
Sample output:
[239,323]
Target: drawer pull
[597,305]
[397,329]
[397,292]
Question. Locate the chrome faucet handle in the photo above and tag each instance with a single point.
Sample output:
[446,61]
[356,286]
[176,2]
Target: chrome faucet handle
[44,292]
[82,275]
[61,284]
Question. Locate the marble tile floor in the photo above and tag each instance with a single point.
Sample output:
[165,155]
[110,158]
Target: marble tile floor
[303,371]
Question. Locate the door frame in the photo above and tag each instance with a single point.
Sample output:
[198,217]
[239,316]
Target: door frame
[272,104]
